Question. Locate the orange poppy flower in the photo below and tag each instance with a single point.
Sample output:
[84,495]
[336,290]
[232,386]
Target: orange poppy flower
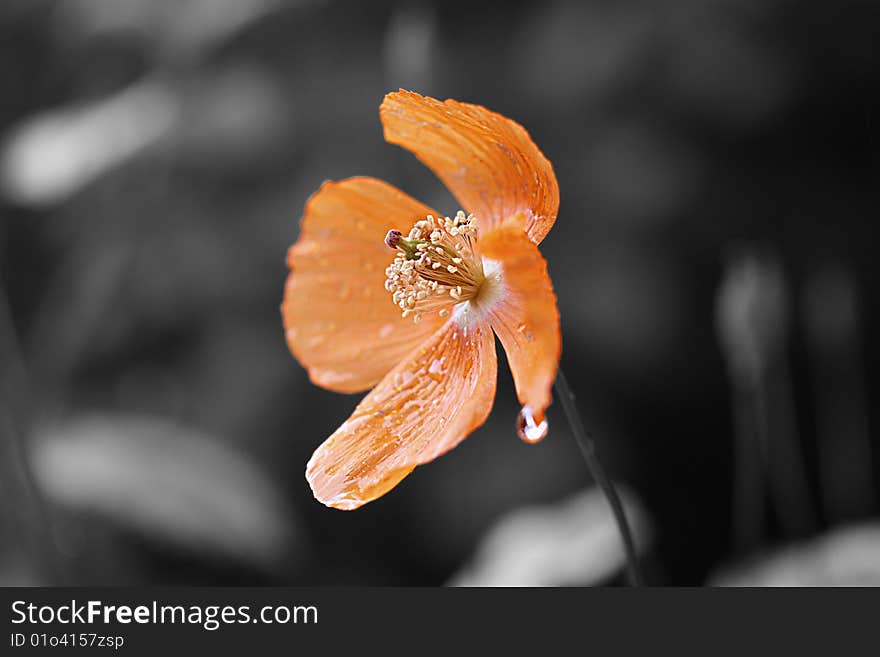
[418,324]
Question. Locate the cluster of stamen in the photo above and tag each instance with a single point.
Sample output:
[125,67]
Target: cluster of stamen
[435,266]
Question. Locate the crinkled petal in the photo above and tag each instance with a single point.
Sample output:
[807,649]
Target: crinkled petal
[525,315]
[424,407]
[340,321]
[488,161]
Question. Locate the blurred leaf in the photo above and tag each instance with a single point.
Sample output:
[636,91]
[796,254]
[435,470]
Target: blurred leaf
[409,48]
[752,312]
[169,482]
[180,28]
[848,556]
[51,156]
[571,543]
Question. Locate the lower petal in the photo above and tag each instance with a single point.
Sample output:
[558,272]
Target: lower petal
[525,315]
[424,407]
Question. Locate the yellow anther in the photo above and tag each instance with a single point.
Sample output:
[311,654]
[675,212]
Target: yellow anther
[435,266]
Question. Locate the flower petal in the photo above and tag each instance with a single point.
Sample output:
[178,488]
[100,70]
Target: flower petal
[525,316]
[424,407]
[488,161]
[341,323]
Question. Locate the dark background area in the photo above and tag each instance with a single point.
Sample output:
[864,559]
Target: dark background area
[714,259]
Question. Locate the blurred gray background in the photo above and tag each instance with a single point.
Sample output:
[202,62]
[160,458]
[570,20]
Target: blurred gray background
[714,259]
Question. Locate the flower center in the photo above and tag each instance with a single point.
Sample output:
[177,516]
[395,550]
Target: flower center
[435,266]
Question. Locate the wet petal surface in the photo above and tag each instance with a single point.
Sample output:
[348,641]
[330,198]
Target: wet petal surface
[525,316]
[488,161]
[424,407]
[340,322]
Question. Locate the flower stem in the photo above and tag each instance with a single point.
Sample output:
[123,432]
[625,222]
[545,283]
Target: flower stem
[588,449]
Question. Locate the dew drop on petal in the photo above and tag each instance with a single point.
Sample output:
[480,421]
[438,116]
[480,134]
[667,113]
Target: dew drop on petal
[528,428]
[524,329]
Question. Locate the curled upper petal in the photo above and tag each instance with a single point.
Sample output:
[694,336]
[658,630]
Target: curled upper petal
[425,406]
[340,322]
[488,161]
[524,315]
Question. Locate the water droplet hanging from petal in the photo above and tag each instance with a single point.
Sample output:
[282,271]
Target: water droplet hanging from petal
[529,428]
